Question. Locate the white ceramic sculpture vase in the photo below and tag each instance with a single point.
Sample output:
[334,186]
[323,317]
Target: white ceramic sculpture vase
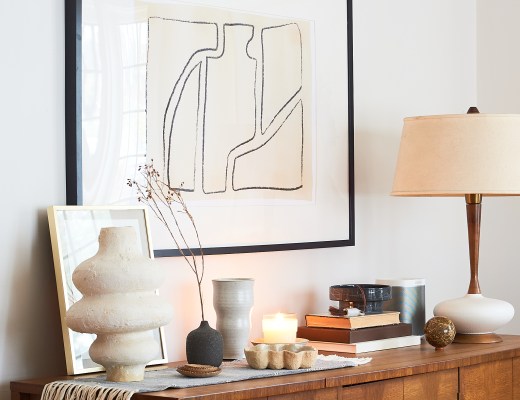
[120,305]
[233,301]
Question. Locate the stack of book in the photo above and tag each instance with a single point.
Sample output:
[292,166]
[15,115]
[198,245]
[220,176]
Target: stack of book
[359,334]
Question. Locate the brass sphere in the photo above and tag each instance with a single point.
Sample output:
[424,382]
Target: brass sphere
[439,332]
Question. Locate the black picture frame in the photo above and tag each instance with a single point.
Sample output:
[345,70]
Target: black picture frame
[73,138]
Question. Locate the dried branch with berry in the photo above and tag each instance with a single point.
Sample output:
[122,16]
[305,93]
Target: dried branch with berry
[168,206]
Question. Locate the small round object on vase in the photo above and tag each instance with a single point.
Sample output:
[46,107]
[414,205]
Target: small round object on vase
[439,332]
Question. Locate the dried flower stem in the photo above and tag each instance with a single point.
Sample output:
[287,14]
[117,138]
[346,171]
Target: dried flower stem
[167,203]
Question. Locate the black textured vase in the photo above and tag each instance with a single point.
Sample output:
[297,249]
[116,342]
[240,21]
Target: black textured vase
[205,345]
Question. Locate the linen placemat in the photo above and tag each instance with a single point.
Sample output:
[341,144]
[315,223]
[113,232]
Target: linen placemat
[98,388]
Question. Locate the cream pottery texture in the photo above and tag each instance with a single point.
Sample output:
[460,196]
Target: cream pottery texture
[233,301]
[120,305]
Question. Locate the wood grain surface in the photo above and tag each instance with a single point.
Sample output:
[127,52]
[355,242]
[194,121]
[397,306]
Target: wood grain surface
[487,371]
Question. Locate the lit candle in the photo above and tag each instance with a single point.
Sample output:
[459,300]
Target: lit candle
[279,328]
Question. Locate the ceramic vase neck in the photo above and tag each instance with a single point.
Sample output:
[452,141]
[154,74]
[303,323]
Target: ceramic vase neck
[120,241]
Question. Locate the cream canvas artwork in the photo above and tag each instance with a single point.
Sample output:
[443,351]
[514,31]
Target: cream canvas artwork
[226,105]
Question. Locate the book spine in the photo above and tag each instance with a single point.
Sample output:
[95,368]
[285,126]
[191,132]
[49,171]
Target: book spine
[328,321]
[364,347]
[353,336]
[324,334]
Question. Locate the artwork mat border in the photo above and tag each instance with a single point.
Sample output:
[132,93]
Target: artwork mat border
[73,13]
[60,275]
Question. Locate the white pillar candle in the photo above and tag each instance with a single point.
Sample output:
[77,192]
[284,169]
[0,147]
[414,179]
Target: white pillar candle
[279,328]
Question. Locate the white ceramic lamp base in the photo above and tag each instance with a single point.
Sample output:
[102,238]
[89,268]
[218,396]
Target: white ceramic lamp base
[476,317]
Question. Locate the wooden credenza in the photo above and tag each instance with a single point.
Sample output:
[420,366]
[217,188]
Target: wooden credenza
[461,371]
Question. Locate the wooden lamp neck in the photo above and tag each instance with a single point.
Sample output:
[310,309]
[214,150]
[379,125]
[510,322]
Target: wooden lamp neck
[473,212]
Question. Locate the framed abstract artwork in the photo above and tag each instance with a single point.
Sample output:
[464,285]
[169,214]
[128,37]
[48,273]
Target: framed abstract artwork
[246,107]
[74,232]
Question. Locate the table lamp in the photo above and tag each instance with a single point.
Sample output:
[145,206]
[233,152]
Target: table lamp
[472,155]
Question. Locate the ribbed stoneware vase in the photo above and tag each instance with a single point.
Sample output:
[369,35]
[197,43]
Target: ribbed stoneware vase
[233,300]
[120,305]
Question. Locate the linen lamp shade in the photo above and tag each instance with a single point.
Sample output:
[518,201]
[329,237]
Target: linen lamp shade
[454,155]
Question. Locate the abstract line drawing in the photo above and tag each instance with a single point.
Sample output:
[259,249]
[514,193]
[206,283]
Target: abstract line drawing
[225,110]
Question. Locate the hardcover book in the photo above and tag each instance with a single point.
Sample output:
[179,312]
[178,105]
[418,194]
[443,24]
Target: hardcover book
[362,321]
[365,347]
[342,335]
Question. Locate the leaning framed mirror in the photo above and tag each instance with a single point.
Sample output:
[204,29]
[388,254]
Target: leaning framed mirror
[74,232]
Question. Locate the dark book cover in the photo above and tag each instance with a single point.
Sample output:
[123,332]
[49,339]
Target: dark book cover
[343,335]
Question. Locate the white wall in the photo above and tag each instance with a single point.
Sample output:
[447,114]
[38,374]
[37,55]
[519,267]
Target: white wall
[32,144]
[410,58]
[498,91]
[498,56]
